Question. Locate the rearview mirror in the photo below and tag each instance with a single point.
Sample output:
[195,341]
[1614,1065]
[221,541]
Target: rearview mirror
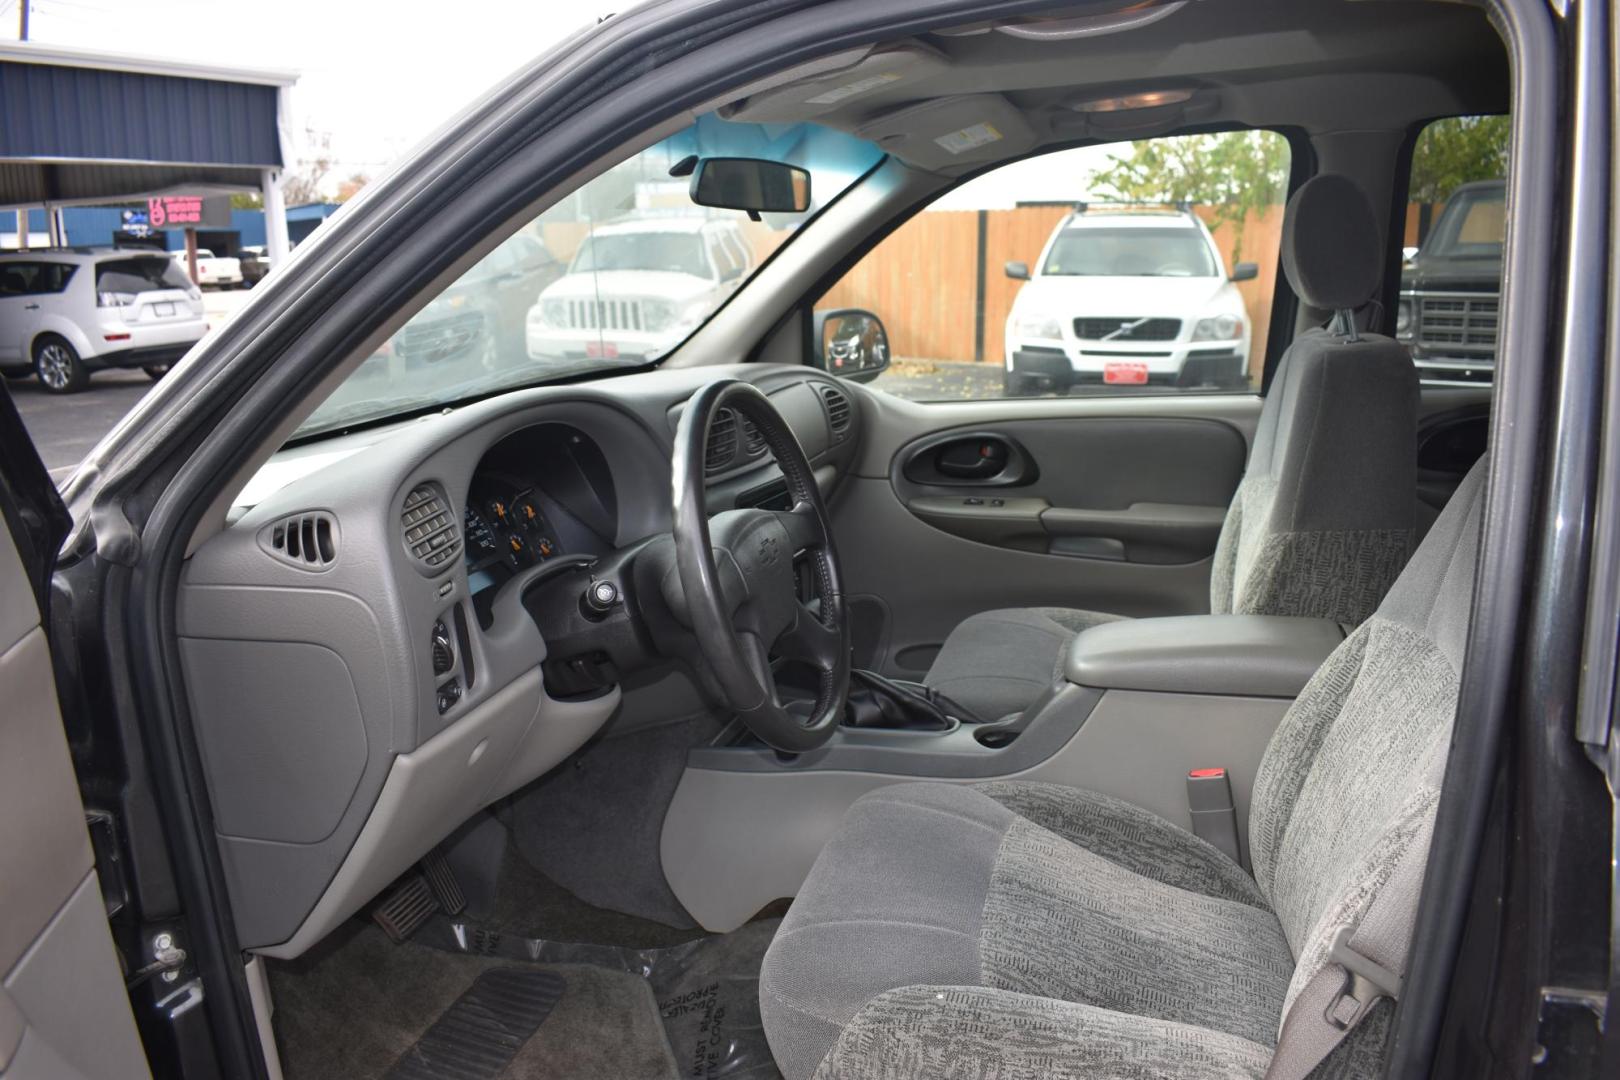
[751,184]
[1018,271]
[1245,271]
[850,343]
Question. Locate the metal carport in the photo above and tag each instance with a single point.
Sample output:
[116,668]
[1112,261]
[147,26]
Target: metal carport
[79,127]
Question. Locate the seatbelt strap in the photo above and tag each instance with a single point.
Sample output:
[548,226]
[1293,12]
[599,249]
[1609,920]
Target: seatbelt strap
[1366,964]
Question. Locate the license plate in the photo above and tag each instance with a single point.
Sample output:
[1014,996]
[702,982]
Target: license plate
[164,310]
[1127,372]
[601,350]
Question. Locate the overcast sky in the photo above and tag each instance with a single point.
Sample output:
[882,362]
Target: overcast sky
[379,75]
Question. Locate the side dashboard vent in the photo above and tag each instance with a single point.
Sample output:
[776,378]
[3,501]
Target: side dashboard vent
[722,448]
[429,529]
[308,541]
[839,412]
[753,438]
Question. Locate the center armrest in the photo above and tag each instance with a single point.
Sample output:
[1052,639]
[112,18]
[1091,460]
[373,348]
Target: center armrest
[1247,655]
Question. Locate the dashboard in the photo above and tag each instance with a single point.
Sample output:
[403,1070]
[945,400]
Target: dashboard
[370,646]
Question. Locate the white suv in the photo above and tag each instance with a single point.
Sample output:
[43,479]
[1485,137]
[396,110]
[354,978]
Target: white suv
[636,288]
[67,312]
[1127,296]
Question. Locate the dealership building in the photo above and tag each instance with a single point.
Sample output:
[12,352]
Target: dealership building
[87,225]
[94,146]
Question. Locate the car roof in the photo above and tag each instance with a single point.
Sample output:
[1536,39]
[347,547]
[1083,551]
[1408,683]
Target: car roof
[1131,219]
[683,223]
[95,251]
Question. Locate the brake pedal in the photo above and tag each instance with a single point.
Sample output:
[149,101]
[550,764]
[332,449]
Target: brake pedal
[442,880]
[406,908]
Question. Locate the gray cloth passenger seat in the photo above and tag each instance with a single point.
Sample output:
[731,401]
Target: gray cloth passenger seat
[1024,929]
[1324,518]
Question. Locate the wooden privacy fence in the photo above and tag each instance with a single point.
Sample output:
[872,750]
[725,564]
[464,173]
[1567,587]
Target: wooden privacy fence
[939,286]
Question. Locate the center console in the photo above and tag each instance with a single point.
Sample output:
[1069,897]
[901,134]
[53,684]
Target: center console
[1141,708]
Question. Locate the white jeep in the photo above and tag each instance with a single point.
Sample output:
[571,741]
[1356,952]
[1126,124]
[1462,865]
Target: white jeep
[1127,296]
[638,287]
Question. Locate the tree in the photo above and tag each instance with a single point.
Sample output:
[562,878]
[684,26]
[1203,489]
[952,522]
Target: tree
[302,184]
[348,189]
[247,200]
[1233,173]
[1455,151]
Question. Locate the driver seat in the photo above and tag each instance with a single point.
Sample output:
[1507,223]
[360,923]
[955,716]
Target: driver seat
[1020,930]
[1323,519]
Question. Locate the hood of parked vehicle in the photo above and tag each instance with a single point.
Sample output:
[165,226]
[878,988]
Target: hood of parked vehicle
[1066,296]
[638,284]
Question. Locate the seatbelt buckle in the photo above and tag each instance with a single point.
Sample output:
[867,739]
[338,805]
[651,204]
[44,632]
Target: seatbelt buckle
[1366,981]
[1214,817]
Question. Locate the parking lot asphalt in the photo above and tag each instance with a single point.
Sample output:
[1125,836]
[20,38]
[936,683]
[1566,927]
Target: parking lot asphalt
[66,427]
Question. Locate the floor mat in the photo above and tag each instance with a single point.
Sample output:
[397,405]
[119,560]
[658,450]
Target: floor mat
[706,990]
[353,1006]
[478,1036]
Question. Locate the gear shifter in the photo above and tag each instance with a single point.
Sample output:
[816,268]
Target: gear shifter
[878,702]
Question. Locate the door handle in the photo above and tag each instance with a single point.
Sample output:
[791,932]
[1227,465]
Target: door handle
[30,307]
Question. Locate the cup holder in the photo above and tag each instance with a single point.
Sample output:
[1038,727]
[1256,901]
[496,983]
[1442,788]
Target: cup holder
[992,737]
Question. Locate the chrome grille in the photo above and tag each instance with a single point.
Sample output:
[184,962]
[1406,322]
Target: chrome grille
[432,340]
[604,315]
[1127,329]
[1462,325]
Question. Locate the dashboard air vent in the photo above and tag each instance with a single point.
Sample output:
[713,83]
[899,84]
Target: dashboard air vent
[838,409]
[753,438]
[307,541]
[430,531]
[722,448]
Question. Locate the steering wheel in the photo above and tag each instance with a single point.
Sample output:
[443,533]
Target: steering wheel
[737,578]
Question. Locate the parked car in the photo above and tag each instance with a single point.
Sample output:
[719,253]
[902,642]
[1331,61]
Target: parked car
[636,287]
[254,261]
[1450,302]
[1127,295]
[221,271]
[483,313]
[67,312]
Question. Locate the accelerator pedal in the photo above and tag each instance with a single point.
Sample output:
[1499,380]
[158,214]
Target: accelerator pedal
[442,880]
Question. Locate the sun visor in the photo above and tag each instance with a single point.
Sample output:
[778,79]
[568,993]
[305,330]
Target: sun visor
[949,133]
[873,75]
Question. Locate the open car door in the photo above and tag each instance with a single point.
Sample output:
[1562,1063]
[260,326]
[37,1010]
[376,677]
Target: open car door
[64,1012]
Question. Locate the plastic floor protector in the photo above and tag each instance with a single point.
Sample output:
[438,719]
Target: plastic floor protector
[480,1034]
[707,990]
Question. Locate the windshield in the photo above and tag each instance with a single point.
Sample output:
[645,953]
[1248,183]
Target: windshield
[1473,225]
[616,275]
[1130,252]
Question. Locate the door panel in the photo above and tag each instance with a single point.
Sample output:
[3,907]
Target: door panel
[1105,504]
[63,1009]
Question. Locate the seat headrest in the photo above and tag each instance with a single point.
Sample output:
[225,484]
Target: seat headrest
[1331,250]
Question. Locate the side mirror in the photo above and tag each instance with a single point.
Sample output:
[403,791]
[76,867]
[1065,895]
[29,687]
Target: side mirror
[750,184]
[850,343]
[1245,271]
[1018,271]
